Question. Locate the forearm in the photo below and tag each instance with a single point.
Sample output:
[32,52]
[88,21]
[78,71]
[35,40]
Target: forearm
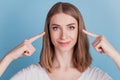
[116,59]
[4,63]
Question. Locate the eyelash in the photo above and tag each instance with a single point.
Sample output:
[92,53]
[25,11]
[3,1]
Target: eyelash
[55,28]
[71,27]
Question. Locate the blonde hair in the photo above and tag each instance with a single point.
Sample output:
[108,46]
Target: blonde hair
[81,57]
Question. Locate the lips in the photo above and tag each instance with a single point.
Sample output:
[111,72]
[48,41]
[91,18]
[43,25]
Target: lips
[64,43]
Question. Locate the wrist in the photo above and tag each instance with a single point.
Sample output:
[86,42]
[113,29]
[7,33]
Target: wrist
[115,55]
[112,53]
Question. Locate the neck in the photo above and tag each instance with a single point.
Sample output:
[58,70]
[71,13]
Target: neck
[63,59]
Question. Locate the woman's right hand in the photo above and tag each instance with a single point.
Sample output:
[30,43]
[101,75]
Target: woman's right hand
[24,49]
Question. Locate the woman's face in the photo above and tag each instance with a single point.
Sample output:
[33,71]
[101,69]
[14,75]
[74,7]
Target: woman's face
[63,31]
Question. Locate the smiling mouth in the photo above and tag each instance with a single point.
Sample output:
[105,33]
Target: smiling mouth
[64,43]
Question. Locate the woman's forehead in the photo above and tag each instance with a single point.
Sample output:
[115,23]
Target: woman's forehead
[62,18]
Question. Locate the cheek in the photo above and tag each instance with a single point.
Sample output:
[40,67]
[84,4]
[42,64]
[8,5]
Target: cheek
[54,36]
[74,35]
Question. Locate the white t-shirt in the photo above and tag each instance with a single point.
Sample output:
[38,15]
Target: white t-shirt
[36,72]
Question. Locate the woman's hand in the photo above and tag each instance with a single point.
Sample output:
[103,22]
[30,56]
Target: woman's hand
[25,48]
[102,45]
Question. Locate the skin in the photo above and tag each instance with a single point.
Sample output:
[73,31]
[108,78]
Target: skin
[63,32]
[102,45]
[60,32]
[24,49]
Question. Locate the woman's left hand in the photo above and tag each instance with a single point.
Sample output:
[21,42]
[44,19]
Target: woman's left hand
[101,44]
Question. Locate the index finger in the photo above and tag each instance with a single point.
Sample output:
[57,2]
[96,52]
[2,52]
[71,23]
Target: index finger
[32,39]
[90,34]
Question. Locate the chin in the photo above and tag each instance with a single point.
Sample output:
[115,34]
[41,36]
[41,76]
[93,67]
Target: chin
[65,48]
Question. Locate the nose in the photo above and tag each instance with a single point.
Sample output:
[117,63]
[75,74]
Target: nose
[63,35]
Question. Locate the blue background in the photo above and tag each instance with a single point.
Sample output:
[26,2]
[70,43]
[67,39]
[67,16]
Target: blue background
[21,19]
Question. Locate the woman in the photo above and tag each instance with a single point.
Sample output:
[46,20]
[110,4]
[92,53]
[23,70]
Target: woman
[65,53]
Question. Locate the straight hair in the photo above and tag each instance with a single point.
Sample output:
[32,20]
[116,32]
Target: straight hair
[81,55]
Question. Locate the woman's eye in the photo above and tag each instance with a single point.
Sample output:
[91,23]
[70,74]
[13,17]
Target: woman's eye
[55,28]
[71,27]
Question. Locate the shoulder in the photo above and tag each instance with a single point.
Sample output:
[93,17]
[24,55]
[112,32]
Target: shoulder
[93,73]
[29,73]
[33,67]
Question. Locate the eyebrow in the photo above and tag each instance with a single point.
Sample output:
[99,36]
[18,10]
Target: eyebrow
[54,25]
[59,25]
[71,24]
